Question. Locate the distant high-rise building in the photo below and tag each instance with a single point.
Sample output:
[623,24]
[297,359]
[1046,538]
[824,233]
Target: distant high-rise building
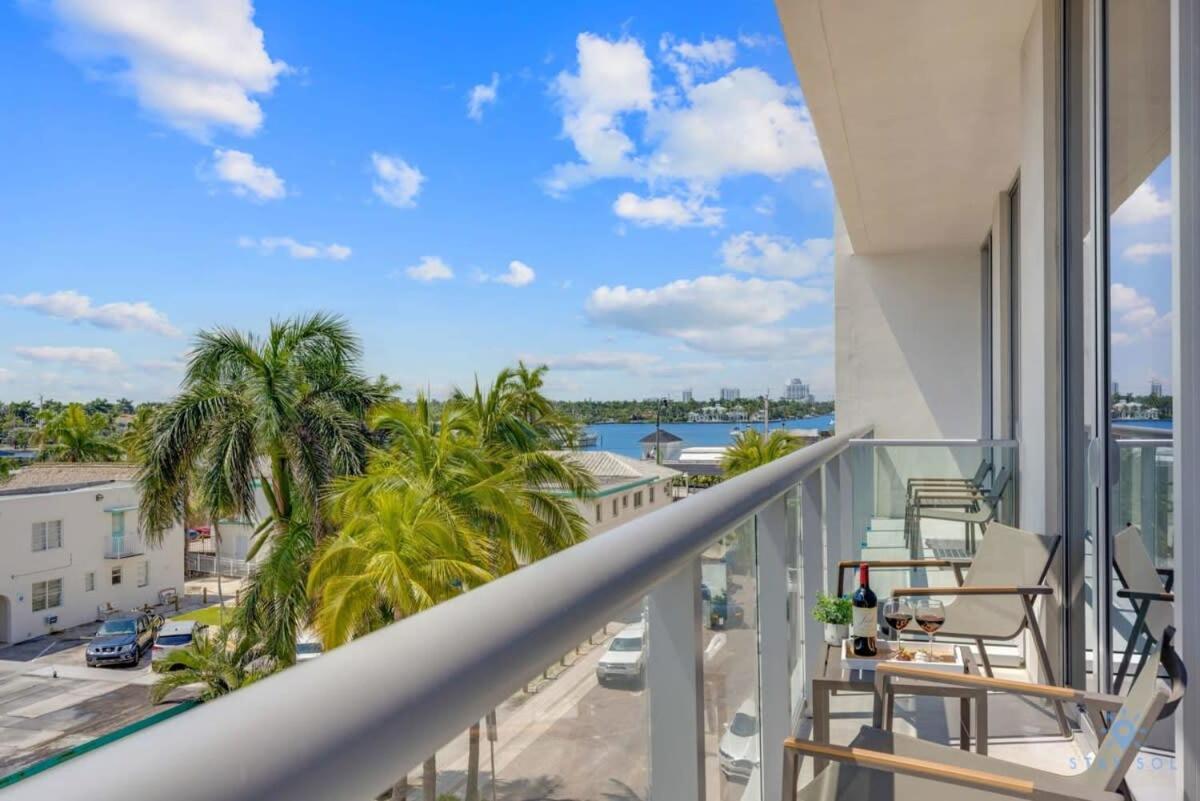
[1156,389]
[797,390]
[687,396]
[1116,389]
[730,393]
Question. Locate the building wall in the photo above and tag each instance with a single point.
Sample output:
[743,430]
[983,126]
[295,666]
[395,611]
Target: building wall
[907,328]
[626,510]
[87,529]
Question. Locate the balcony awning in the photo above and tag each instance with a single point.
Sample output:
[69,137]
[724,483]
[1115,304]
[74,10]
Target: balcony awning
[128,508]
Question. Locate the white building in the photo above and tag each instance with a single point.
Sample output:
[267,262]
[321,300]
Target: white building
[730,393]
[72,549]
[797,390]
[625,488]
[686,396]
[1156,388]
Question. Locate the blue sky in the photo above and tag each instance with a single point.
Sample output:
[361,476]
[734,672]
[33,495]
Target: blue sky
[628,192]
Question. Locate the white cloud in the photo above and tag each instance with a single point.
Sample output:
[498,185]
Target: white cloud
[295,249]
[519,274]
[197,66]
[689,59]
[483,94]
[776,255]
[104,359]
[1143,206]
[715,314]
[119,315]
[5,375]
[742,122]
[1142,252]
[246,177]
[765,206]
[430,269]
[613,79]
[667,211]
[397,182]
[1136,314]
[632,362]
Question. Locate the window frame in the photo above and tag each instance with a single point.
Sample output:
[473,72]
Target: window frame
[116,576]
[45,594]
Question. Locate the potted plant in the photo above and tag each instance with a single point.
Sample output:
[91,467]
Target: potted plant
[836,614]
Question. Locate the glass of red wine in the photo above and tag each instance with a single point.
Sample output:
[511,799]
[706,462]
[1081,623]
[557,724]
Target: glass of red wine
[930,615]
[898,613]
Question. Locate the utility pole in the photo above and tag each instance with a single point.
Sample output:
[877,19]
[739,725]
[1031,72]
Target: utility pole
[766,413]
[662,403]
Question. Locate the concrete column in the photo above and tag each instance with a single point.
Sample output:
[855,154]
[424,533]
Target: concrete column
[812,552]
[675,682]
[774,686]
[1185,256]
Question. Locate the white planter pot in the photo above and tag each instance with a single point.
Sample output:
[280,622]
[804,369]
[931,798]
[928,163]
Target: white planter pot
[835,633]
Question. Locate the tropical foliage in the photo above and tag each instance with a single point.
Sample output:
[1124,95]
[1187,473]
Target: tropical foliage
[753,450]
[219,663]
[73,435]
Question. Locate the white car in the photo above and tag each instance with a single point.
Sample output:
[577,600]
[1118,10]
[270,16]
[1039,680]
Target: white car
[738,750]
[625,659]
[308,648]
[173,635]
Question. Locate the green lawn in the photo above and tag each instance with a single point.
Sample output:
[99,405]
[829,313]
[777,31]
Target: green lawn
[208,614]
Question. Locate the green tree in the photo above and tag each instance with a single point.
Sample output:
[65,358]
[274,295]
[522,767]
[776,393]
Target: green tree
[220,662]
[73,435]
[284,412]
[753,450]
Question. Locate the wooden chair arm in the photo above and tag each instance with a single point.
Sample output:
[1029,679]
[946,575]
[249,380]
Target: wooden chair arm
[1046,788]
[933,676]
[841,566]
[911,766]
[1138,595]
[1039,589]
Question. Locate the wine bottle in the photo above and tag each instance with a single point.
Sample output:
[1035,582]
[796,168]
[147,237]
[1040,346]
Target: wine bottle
[865,625]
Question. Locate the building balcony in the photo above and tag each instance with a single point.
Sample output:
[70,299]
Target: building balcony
[123,547]
[669,658]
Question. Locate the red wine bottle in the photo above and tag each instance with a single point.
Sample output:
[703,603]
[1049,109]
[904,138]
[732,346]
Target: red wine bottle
[865,625]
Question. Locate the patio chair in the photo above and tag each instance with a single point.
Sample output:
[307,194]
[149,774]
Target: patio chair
[993,601]
[883,766]
[978,512]
[970,487]
[1148,589]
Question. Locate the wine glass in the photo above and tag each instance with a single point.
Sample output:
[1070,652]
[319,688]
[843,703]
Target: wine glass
[930,615]
[898,613]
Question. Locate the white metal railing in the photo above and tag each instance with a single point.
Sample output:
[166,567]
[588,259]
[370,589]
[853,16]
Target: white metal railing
[212,564]
[349,724]
[123,547]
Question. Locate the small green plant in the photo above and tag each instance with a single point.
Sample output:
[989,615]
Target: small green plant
[832,609]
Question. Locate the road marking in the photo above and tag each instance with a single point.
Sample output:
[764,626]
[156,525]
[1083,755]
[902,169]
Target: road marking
[714,645]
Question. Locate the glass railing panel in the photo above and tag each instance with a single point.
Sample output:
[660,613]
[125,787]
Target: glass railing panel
[732,746]
[577,730]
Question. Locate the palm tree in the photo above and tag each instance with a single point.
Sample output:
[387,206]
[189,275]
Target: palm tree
[398,553]
[73,435]
[753,450]
[285,410]
[221,662]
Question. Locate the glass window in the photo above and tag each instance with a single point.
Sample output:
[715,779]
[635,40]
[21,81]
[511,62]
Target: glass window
[625,500]
[116,576]
[46,594]
[615,507]
[637,500]
[47,535]
[143,574]
[599,514]
[651,494]
[111,627]
[89,581]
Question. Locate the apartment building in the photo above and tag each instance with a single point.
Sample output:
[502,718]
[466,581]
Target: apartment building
[72,551]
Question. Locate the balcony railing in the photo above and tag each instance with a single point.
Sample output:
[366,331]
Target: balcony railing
[349,724]
[123,547]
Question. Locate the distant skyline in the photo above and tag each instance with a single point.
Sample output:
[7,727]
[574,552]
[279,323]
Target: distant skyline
[632,195]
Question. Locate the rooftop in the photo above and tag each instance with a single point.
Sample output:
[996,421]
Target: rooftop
[63,476]
[612,470]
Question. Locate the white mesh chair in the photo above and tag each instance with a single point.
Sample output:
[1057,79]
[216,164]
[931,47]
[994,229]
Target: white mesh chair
[1148,589]
[973,513]
[994,600]
[883,766]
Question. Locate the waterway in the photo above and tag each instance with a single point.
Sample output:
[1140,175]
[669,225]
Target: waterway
[623,438]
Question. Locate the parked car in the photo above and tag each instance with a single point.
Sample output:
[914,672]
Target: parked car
[173,635]
[308,649]
[121,640]
[737,752]
[724,613]
[625,659]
